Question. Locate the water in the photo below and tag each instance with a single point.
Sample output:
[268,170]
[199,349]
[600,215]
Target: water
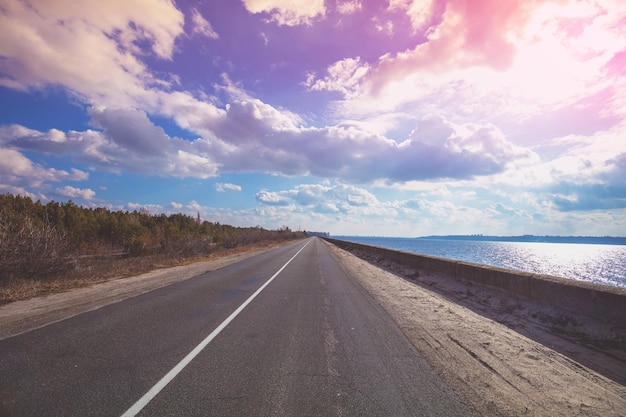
[602,264]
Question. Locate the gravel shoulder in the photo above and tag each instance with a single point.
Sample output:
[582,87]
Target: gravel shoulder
[504,356]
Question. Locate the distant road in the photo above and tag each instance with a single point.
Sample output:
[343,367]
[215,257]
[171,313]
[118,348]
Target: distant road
[310,343]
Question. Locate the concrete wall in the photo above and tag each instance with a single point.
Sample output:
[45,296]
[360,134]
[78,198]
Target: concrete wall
[595,299]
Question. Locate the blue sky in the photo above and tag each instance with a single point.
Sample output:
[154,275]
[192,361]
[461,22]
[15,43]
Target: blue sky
[390,118]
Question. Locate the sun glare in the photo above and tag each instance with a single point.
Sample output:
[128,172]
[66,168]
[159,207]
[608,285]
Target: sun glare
[559,53]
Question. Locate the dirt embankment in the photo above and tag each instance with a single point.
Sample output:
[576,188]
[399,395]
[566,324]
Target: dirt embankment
[506,356]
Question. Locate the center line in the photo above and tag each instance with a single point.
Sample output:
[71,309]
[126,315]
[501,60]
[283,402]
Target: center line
[148,396]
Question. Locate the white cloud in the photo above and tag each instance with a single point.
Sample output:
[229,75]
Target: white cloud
[338,198]
[194,206]
[419,11]
[250,119]
[271,198]
[95,54]
[349,6]
[189,164]
[17,171]
[146,208]
[253,136]
[288,12]
[202,26]
[516,65]
[129,142]
[11,189]
[383,26]
[344,209]
[247,135]
[89,47]
[14,163]
[72,192]
[460,151]
[344,76]
[223,187]
[131,130]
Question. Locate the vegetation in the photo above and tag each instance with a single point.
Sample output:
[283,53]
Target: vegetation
[47,247]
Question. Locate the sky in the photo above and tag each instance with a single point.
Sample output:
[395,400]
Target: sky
[353,117]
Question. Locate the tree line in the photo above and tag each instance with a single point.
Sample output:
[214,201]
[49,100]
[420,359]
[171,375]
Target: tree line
[40,239]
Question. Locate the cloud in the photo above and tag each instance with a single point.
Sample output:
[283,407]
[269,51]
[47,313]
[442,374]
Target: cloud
[507,63]
[412,217]
[250,135]
[129,141]
[223,187]
[507,212]
[347,209]
[184,164]
[11,189]
[14,163]
[440,150]
[146,208]
[344,209]
[470,33]
[343,76]
[588,197]
[288,12]
[349,6]
[72,192]
[246,135]
[16,170]
[386,27]
[201,26]
[249,120]
[271,198]
[420,12]
[131,130]
[94,50]
[253,136]
[340,198]
[604,191]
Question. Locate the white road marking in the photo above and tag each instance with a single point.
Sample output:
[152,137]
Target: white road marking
[148,396]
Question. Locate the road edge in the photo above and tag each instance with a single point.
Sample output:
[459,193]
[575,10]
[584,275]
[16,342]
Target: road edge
[27,315]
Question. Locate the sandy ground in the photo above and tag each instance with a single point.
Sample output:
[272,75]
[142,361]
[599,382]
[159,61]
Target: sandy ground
[503,355]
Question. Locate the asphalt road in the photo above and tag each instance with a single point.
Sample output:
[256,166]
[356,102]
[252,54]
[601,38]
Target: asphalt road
[311,343]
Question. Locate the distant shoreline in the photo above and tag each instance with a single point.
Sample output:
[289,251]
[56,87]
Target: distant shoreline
[597,240]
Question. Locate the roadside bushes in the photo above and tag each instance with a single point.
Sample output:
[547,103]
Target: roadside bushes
[39,241]
[29,247]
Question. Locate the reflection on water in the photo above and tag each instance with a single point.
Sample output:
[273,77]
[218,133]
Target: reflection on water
[604,264]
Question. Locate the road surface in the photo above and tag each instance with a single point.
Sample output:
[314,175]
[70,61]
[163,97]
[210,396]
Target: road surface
[285,333]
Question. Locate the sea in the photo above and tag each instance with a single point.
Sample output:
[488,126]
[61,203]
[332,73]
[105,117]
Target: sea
[598,263]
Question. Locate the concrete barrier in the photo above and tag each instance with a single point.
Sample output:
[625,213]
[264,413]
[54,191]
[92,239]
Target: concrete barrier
[512,281]
[595,299]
